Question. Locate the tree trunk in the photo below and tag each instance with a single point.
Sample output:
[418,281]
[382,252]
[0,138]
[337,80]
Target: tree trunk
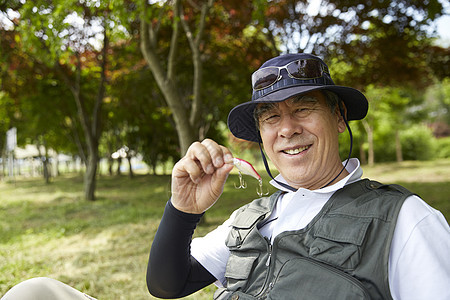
[3,164]
[119,163]
[44,160]
[90,125]
[371,154]
[55,165]
[362,154]
[110,165]
[90,177]
[130,173]
[398,146]
[186,134]
[45,170]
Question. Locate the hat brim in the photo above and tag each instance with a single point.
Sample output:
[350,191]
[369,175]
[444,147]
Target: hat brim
[242,124]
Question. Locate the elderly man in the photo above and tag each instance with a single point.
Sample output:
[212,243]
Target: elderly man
[325,234]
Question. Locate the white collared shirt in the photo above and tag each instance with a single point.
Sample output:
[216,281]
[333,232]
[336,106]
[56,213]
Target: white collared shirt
[419,261]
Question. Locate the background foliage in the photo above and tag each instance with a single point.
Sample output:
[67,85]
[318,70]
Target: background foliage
[386,49]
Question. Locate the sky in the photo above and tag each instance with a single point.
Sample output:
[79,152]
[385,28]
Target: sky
[443,28]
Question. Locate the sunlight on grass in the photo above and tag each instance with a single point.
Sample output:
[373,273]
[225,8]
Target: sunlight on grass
[102,247]
[410,171]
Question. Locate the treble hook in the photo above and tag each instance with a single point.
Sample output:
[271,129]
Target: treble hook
[242,183]
[260,191]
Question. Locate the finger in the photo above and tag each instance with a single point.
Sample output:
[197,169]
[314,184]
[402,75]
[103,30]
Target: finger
[215,151]
[199,153]
[223,172]
[227,155]
[219,178]
[219,154]
[194,170]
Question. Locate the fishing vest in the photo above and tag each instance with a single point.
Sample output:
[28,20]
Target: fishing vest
[343,253]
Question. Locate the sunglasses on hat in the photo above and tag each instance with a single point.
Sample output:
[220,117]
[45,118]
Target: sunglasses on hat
[303,69]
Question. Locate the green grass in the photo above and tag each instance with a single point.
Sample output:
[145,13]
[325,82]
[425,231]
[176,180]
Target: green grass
[102,247]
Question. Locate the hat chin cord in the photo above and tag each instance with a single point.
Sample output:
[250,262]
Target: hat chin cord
[266,164]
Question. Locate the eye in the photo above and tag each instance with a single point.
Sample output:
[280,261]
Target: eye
[270,118]
[302,112]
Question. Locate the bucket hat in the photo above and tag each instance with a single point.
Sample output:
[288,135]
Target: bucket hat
[285,76]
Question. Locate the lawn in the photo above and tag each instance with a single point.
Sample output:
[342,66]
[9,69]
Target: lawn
[102,247]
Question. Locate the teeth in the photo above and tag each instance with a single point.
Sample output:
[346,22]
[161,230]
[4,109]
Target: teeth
[296,151]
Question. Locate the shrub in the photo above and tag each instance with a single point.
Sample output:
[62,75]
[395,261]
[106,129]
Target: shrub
[443,147]
[418,143]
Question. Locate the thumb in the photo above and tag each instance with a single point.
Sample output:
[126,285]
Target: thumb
[222,173]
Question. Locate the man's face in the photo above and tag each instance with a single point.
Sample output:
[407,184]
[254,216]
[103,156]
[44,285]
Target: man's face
[300,136]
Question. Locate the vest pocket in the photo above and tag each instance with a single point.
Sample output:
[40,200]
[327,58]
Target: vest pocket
[241,227]
[338,240]
[238,269]
[303,278]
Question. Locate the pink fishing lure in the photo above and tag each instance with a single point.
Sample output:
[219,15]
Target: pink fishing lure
[246,168]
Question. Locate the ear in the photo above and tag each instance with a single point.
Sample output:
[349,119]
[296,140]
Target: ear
[342,113]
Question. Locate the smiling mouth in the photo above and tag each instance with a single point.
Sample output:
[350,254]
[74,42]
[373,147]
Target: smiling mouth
[296,151]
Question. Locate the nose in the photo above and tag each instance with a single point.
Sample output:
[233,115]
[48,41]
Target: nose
[289,126]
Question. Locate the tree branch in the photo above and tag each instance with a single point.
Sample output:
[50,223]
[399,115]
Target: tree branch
[148,51]
[195,43]
[96,113]
[174,40]
[160,17]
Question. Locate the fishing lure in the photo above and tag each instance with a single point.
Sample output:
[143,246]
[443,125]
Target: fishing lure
[244,167]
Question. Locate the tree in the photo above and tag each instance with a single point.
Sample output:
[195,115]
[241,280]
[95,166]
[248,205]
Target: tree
[38,101]
[6,111]
[73,38]
[43,93]
[378,43]
[224,47]
[381,40]
[438,95]
[71,63]
[185,106]
[7,103]
[393,110]
[141,120]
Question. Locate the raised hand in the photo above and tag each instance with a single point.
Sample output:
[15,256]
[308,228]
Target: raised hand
[199,177]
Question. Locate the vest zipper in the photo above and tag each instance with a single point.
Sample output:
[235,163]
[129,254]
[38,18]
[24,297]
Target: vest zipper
[266,286]
[270,252]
